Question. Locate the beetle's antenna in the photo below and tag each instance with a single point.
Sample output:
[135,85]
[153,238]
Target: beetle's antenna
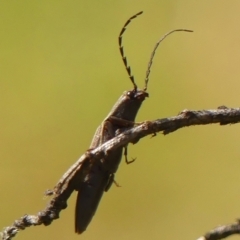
[122,51]
[154,51]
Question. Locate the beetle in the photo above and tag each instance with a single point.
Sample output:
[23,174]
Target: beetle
[98,176]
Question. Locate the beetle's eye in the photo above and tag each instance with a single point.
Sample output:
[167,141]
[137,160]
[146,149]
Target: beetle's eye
[130,94]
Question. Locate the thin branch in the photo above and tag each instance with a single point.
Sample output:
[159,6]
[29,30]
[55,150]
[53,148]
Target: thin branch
[67,183]
[222,232]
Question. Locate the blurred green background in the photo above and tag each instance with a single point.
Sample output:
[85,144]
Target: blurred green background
[60,74]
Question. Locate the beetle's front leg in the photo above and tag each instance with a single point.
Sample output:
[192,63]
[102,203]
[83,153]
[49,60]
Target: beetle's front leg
[120,122]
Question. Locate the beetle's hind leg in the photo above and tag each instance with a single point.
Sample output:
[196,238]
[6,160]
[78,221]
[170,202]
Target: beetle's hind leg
[111,180]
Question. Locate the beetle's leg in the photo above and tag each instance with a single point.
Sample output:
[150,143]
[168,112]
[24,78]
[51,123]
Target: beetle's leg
[111,180]
[125,155]
[116,184]
[120,122]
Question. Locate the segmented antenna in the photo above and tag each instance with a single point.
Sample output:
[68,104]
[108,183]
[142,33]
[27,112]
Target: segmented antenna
[122,51]
[154,51]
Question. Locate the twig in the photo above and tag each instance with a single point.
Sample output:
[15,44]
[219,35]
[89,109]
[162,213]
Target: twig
[222,232]
[67,183]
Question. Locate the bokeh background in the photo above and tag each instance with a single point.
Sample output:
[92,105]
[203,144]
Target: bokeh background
[60,74]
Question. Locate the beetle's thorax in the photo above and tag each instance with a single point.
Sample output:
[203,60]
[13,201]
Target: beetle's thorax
[128,104]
